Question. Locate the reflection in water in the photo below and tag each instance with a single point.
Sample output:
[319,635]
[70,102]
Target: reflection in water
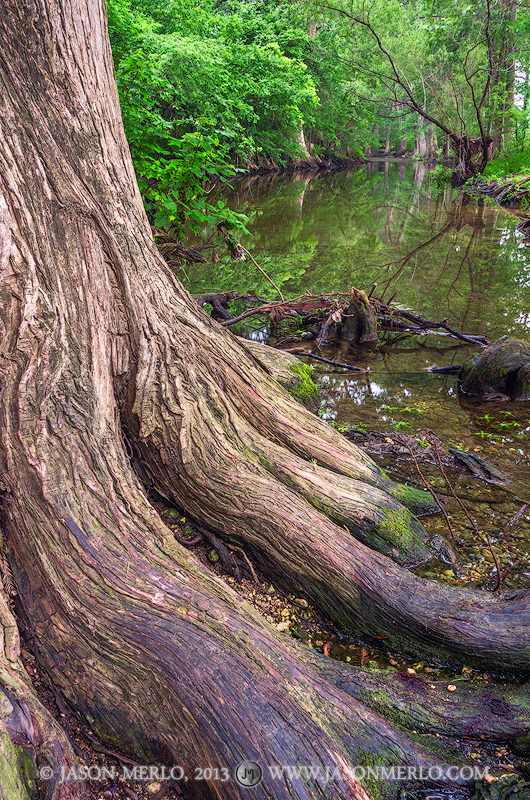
[445,254]
[442,254]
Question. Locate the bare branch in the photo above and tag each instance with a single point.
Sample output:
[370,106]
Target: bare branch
[399,79]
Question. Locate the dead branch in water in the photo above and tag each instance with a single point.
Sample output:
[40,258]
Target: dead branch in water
[389,317]
[299,351]
[387,314]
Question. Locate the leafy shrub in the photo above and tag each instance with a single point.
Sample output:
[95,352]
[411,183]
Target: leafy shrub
[173,171]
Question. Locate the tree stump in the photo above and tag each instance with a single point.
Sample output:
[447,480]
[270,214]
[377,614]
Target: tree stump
[359,324]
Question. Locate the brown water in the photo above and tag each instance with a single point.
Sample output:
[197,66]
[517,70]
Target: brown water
[447,256]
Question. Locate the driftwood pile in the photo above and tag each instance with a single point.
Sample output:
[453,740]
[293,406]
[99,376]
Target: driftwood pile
[354,317]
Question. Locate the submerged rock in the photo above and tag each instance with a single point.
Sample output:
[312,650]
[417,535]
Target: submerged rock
[479,467]
[502,370]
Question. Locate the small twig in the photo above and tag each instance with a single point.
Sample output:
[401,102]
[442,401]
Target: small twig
[262,270]
[336,363]
[517,516]
[372,290]
[473,523]
[429,488]
[250,313]
[513,521]
[247,559]
[478,339]
[459,501]
[300,351]
[227,559]
[497,565]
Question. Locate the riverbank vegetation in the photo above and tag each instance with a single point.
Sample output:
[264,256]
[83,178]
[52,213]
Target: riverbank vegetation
[272,84]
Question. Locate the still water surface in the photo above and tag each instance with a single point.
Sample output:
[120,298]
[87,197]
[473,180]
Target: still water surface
[447,255]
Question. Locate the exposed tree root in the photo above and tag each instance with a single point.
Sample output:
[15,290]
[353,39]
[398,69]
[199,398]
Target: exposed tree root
[33,747]
[491,712]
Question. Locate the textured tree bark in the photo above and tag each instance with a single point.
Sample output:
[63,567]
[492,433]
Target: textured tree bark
[29,736]
[106,360]
[496,713]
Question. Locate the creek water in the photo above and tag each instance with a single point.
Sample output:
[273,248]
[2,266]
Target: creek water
[447,255]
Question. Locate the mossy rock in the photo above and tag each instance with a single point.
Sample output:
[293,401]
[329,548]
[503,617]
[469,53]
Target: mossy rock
[500,371]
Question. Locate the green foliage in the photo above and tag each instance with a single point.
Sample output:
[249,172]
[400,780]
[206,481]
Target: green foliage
[512,163]
[178,16]
[405,409]
[274,80]
[500,425]
[402,425]
[454,61]
[173,171]
[262,70]
[440,176]
[128,28]
[255,92]
[240,276]
[348,428]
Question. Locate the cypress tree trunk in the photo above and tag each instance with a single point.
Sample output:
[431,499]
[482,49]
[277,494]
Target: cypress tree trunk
[106,361]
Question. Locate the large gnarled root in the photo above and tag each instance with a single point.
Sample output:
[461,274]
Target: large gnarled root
[375,516]
[222,456]
[144,633]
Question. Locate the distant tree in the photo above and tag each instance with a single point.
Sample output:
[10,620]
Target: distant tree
[459,75]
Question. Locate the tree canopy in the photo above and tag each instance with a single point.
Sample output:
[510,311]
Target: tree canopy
[259,70]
